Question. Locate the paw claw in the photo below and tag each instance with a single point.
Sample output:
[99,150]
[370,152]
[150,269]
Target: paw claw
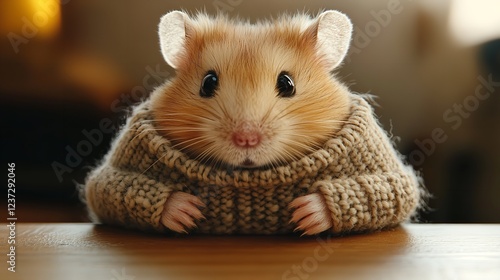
[311,214]
[181,211]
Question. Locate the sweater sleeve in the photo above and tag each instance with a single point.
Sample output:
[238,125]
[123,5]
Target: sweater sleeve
[126,198]
[370,201]
[370,187]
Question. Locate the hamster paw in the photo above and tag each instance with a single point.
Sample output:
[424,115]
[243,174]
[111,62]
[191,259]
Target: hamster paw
[311,214]
[181,211]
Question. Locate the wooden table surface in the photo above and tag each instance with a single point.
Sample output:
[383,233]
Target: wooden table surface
[414,251]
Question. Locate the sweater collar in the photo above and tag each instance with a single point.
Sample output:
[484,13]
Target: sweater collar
[310,165]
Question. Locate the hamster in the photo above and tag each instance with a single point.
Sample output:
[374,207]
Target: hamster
[251,96]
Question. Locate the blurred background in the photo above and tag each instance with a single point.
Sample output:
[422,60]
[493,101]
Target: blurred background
[70,68]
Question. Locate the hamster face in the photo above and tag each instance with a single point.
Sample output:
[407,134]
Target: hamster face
[250,95]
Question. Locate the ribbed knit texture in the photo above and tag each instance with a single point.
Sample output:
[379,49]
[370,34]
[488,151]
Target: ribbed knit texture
[365,184]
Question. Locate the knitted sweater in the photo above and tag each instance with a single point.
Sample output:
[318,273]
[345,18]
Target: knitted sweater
[365,184]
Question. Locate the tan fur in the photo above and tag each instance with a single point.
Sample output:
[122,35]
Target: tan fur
[248,59]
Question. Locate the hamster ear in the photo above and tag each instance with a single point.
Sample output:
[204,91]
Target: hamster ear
[333,32]
[172,32]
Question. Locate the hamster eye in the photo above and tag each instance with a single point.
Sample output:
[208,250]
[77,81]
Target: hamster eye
[285,85]
[209,85]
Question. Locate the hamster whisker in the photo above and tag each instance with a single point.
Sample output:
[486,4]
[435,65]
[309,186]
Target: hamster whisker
[186,123]
[272,165]
[301,104]
[316,125]
[138,134]
[142,132]
[151,129]
[185,129]
[176,120]
[207,154]
[266,116]
[145,121]
[321,121]
[182,114]
[219,163]
[283,113]
[148,129]
[223,109]
[209,110]
[327,127]
[156,161]
[209,157]
[291,156]
[308,146]
[193,141]
[189,115]
[189,140]
[279,158]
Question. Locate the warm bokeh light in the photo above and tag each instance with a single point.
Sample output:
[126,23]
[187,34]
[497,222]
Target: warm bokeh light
[40,17]
[475,21]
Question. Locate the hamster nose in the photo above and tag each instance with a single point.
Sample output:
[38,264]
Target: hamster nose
[247,139]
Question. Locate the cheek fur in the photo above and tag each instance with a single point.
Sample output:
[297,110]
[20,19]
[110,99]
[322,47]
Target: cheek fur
[186,122]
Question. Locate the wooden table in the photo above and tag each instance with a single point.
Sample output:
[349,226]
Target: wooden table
[85,251]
